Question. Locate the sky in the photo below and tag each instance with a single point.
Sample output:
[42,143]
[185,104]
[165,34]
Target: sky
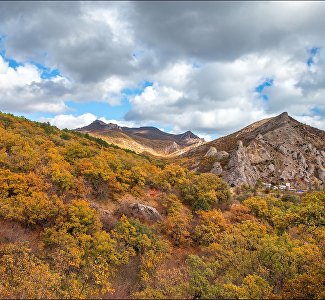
[208,67]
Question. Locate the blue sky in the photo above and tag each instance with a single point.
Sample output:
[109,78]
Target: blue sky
[312,54]
[260,88]
[45,72]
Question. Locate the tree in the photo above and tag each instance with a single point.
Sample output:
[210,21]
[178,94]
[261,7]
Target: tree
[85,255]
[23,275]
[205,191]
[177,223]
[210,224]
[252,287]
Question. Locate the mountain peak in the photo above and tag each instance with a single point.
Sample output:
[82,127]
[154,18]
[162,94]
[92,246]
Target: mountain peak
[277,149]
[284,114]
[189,137]
[189,134]
[99,125]
[99,122]
[282,119]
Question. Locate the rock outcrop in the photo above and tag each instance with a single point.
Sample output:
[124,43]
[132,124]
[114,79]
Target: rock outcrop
[173,147]
[211,152]
[146,212]
[216,169]
[240,169]
[278,149]
[221,155]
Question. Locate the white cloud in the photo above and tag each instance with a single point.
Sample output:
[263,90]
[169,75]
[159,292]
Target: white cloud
[22,89]
[70,121]
[175,75]
[11,78]
[315,121]
[220,97]
[121,123]
[157,96]
[110,90]
[113,18]
[237,45]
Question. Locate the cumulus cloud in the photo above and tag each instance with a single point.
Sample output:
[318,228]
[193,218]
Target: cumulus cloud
[205,60]
[315,121]
[122,123]
[22,89]
[220,97]
[83,40]
[90,45]
[70,121]
[224,31]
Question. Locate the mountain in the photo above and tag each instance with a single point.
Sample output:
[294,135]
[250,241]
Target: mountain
[275,150]
[143,139]
[84,219]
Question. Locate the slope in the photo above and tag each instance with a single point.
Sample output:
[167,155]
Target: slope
[80,218]
[143,139]
[277,150]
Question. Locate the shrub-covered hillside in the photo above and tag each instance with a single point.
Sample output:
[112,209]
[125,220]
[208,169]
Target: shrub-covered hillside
[80,218]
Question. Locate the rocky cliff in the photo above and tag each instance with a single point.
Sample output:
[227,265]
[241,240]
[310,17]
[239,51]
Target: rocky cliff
[275,150]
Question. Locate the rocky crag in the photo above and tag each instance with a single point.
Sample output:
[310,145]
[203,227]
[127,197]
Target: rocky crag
[274,150]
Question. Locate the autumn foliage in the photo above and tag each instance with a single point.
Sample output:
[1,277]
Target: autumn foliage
[65,190]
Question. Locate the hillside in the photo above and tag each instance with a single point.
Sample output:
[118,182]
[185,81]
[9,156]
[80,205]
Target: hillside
[275,150]
[81,218]
[143,139]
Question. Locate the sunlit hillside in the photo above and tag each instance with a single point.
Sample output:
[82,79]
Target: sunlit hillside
[80,218]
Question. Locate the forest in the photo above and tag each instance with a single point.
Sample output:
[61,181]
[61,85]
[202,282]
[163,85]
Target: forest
[67,228]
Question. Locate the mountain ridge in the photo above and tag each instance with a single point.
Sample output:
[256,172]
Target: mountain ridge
[277,149]
[143,139]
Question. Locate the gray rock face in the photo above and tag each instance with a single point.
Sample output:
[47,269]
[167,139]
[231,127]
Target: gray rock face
[247,164]
[319,161]
[271,168]
[260,138]
[294,163]
[287,174]
[222,155]
[211,152]
[311,168]
[144,211]
[240,170]
[321,173]
[272,150]
[216,169]
[283,150]
[257,153]
[172,148]
[302,160]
